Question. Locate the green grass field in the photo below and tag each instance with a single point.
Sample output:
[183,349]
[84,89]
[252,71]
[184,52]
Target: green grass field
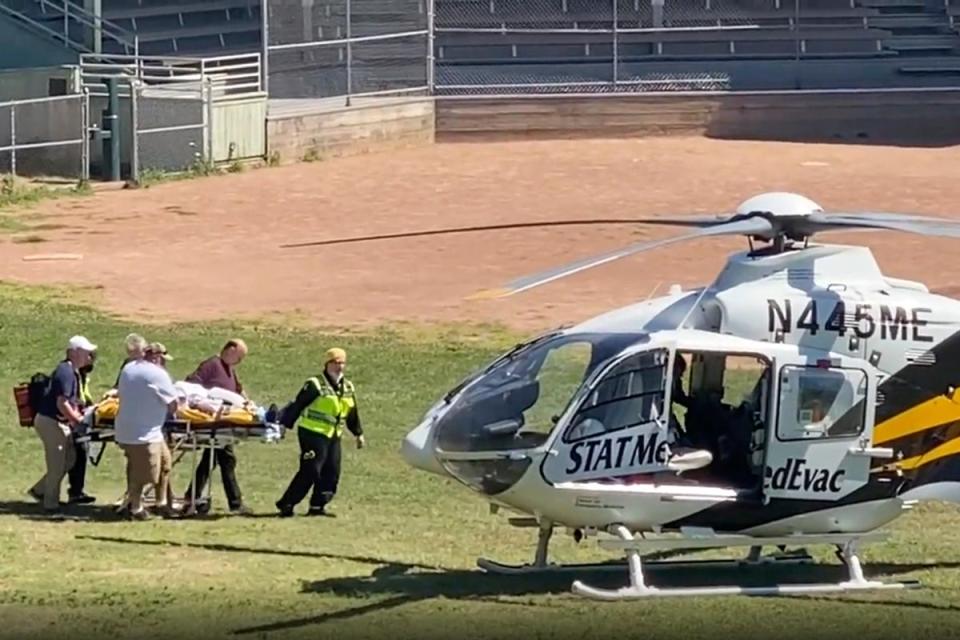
[398,561]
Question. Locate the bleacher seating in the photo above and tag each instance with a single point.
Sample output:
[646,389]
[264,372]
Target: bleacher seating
[767,29]
[188,27]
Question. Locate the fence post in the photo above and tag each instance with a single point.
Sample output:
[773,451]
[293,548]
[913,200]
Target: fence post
[616,45]
[349,54]
[264,46]
[13,139]
[207,92]
[431,61]
[85,136]
[134,134]
[797,45]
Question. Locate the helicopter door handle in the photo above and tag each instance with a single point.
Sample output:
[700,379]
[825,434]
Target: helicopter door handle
[873,452]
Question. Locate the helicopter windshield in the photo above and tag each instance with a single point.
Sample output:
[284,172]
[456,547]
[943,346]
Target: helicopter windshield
[515,402]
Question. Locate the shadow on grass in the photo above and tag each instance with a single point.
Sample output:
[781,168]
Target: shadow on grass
[399,586]
[395,584]
[265,550]
[34,511]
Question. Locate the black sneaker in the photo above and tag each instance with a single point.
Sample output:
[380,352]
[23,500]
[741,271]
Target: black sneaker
[81,499]
[242,510]
[320,511]
[286,511]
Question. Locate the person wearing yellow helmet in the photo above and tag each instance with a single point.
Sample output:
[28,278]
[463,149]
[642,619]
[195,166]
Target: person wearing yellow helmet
[324,406]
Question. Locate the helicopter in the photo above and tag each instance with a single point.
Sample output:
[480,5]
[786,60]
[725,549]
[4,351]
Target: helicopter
[802,397]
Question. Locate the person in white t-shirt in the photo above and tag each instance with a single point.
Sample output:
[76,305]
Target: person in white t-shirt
[147,396]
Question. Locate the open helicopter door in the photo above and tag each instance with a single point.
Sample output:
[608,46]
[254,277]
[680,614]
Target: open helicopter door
[619,427]
[819,448]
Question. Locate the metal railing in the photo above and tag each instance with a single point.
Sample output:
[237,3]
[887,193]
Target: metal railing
[65,12]
[230,76]
[27,125]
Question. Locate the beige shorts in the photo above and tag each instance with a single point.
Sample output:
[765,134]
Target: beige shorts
[145,462]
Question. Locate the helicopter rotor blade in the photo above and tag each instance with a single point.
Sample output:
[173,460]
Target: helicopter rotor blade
[887,221]
[692,221]
[749,226]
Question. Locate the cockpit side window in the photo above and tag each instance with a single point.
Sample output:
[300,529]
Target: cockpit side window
[559,376]
[630,393]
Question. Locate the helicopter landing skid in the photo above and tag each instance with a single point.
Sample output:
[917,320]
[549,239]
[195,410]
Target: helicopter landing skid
[639,589]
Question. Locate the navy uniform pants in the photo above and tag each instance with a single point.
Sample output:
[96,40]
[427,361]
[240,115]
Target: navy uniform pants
[319,470]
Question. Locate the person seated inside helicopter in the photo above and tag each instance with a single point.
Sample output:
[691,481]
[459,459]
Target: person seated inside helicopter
[723,430]
[685,455]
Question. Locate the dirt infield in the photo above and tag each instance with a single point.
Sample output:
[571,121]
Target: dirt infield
[209,248]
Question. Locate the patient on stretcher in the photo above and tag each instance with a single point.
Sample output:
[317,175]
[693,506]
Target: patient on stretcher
[200,406]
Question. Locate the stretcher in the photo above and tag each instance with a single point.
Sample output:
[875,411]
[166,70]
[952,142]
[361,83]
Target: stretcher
[197,426]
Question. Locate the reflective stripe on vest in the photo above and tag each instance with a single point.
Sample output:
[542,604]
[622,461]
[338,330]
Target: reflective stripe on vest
[85,397]
[327,413]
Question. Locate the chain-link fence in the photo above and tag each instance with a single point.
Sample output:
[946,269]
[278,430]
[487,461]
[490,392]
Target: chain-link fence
[46,137]
[560,46]
[348,48]
[171,130]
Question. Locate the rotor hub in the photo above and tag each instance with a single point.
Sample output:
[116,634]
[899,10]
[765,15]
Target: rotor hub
[779,204]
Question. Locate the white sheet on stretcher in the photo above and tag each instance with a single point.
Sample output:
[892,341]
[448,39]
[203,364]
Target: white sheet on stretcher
[207,399]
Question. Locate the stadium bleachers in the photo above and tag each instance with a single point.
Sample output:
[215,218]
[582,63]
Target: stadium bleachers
[915,37]
[188,27]
[487,31]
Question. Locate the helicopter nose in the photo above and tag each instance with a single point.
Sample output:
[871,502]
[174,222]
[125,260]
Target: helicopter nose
[416,452]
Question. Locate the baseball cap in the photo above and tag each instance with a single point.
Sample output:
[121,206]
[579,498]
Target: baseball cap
[335,353]
[80,342]
[158,347]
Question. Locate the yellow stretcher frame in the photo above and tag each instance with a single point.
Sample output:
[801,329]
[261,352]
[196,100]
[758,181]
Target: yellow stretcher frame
[185,436]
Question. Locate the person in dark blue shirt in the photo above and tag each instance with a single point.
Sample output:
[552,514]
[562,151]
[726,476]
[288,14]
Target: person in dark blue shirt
[78,472]
[58,414]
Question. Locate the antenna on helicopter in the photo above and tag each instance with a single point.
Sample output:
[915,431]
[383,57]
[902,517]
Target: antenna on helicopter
[777,218]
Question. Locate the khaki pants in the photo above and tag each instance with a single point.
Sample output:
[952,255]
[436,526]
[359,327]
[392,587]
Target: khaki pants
[60,456]
[147,464]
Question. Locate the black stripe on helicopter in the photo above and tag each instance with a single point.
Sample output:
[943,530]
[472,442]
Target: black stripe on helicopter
[864,320]
[739,516]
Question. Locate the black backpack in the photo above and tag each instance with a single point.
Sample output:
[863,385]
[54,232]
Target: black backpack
[37,389]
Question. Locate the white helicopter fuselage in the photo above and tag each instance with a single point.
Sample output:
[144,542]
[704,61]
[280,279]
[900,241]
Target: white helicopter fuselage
[819,320]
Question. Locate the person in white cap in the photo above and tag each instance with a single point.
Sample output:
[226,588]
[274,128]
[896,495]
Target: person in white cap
[58,414]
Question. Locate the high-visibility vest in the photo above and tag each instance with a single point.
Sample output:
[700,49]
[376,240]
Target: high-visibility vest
[85,398]
[327,414]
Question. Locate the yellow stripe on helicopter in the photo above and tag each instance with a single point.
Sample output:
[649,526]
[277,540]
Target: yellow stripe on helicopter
[937,411]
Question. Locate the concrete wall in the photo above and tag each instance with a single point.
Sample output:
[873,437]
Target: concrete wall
[908,117]
[23,48]
[23,84]
[304,129]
